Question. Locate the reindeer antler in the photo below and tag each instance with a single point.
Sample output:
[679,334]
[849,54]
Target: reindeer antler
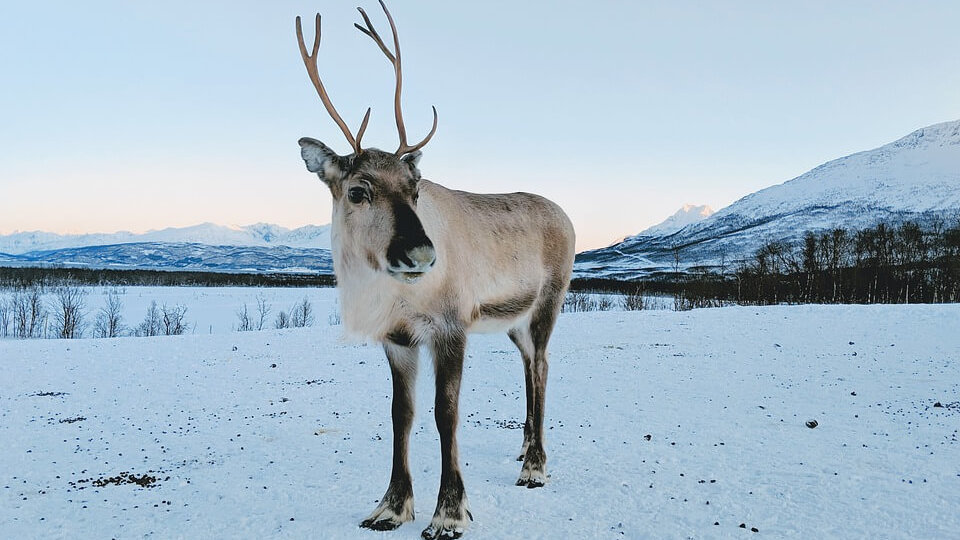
[394,58]
[310,61]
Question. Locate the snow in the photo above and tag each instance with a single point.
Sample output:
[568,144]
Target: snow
[917,173]
[259,234]
[914,178]
[686,215]
[287,433]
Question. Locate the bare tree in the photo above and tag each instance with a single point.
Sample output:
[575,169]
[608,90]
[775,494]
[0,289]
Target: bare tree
[282,321]
[173,320]
[29,315]
[109,321]
[263,310]
[302,314]
[5,316]
[244,323]
[334,319]
[68,311]
[634,301]
[151,324]
[576,302]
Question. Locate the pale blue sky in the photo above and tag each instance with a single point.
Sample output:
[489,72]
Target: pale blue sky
[134,115]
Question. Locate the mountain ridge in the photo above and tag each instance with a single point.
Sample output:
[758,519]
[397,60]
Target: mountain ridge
[257,234]
[916,177]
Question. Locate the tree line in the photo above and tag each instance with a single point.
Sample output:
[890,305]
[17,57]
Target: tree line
[885,264]
[888,263]
[15,277]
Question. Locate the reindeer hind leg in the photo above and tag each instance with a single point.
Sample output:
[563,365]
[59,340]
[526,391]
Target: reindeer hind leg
[521,338]
[534,471]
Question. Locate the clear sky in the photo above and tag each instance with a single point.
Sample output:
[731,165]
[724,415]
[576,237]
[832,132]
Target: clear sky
[118,115]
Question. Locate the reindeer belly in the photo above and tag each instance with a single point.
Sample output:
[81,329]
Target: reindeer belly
[502,314]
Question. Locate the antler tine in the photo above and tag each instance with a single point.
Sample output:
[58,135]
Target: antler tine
[407,149]
[363,127]
[394,58]
[310,62]
[374,35]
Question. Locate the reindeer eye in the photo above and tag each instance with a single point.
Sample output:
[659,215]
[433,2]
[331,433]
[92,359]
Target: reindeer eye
[356,195]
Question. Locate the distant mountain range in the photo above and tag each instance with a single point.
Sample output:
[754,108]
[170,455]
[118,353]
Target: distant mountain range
[180,256]
[207,247]
[259,234]
[914,178]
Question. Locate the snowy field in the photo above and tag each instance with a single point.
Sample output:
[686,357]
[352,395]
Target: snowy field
[210,310]
[660,424]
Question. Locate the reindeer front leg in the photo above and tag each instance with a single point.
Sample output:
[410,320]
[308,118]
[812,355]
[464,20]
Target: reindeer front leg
[451,517]
[396,506]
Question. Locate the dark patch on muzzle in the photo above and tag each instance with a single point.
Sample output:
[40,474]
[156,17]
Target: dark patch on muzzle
[408,236]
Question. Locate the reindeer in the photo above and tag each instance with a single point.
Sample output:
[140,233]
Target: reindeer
[418,264]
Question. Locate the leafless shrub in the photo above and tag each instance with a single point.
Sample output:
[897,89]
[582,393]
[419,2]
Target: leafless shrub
[28,313]
[604,303]
[333,319]
[247,322]
[302,314]
[263,309]
[68,312]
[681,302]
[5,316]
[109,321]
[578,302]
[282,321]
[244,322]
[634,301]
[151,324]
[173,320]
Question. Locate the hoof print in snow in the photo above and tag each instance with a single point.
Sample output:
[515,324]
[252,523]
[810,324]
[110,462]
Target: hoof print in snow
[812,424]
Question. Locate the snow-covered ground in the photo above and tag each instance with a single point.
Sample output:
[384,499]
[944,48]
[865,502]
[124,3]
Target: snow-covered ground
[210,310]
[215,310]
[660,424]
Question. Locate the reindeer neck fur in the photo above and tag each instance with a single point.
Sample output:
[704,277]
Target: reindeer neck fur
[372,303]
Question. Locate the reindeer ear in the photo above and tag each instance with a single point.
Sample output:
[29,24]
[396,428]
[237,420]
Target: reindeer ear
[320,159]
[411,160]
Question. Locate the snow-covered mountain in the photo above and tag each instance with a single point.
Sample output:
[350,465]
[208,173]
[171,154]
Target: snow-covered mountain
[180,256]
[914,178]
[207,247]
[686,215]
[259,234]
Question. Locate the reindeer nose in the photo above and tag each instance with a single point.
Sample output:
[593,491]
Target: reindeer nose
[422,257]
[413,263]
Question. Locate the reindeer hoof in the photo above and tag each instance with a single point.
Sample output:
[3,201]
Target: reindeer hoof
[531,482]
[390,514]
[532,476]
[520,457]
[430,533]
[446,526]
[381,525]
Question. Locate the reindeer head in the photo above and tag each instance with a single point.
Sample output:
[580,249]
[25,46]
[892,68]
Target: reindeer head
[374,192]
